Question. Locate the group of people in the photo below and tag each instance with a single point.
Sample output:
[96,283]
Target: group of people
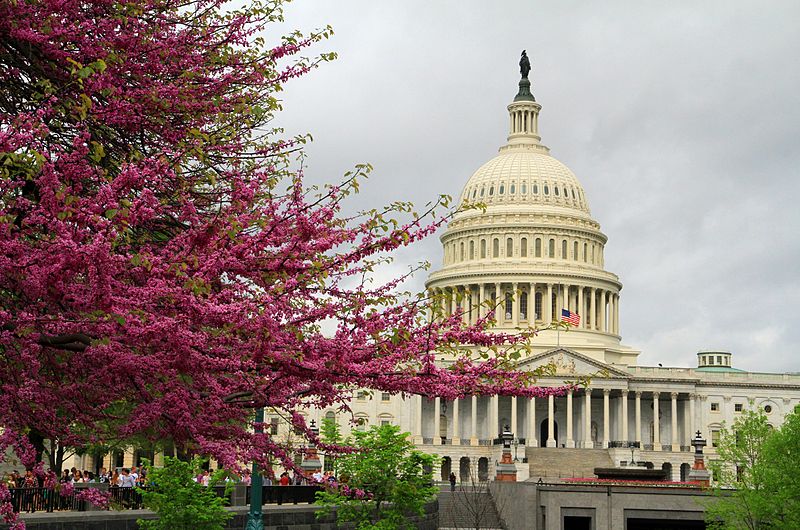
[123,478]
[298,479]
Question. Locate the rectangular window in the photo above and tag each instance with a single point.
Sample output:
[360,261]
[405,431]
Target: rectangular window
[737,407]
[386,422]
[386,396]
[362,395]
[714,438]
[715,407]
[273,426]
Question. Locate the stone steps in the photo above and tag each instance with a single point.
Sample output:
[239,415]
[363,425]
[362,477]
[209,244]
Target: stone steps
[468,508]
[558,462]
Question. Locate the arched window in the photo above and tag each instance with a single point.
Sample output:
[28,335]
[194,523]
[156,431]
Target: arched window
[461,253]
[537,247]
[546,190]
[523,247]
[471,250]
[563,249]
[502,188]
[592,252]
[496,248]
[565,193]
[555,190]
[509,306]
[523,188]
[537,307]
[513,189]
[482,190]
[536,189]
[361,422]
[573,194]
[491,191]
[552,249]
[575,250]
[509,247]
[523,306]
[585,246]
[483,248]
[474,192]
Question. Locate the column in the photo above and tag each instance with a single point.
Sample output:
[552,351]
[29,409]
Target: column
[551,442]
[638,413]
[592,311]
[656,426]
[465,300]
[532,316]
[530,440]
[570,441]
[603,311]
[456,437]
[473,437]
[624,415]
[692,408]
[616,313]
[674,440]
[564,298]
[482,300]
[515,306]
[548,305]
[580,311]
[418,418]
[514,417]
[606,417]
[499,310]
[587,419]
[494,431]
[437,422]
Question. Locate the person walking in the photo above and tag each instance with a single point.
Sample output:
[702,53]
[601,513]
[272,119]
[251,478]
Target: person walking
[452,481]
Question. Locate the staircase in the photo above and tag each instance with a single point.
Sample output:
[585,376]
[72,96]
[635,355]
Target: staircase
[467,508]
[555,462]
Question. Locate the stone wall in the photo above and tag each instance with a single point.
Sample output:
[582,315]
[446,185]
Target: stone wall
[301,517]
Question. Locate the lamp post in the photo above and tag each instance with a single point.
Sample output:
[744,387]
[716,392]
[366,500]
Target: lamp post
[255,518]
[516,445]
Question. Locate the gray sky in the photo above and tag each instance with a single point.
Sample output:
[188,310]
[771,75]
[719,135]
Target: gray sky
[680,119]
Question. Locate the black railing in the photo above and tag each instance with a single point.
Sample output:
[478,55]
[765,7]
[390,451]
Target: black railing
[287,494]
[43,500]
[128,498]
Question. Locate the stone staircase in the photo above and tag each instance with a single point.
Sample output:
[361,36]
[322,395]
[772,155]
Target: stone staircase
[467,508]
[556,462]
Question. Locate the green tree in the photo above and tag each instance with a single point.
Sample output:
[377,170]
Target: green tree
[180,501]
[382,483]
[757,478]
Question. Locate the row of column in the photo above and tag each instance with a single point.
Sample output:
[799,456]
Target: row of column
[494,414]
[601,306]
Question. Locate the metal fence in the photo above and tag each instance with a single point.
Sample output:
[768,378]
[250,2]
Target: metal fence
[287,494]
[43,500]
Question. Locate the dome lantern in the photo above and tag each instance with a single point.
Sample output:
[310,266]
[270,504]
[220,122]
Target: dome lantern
[524,115]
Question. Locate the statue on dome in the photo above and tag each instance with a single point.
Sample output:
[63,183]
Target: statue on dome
[524,65]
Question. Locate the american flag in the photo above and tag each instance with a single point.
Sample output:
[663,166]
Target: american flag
[569,316]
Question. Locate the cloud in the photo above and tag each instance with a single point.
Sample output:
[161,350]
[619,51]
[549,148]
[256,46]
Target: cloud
[679,119]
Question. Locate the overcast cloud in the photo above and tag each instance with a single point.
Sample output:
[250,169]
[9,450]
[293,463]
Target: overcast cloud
[680,119]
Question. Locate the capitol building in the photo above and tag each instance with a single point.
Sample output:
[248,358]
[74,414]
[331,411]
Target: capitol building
[534,250]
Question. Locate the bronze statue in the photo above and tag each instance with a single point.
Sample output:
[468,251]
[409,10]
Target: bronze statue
[524,65]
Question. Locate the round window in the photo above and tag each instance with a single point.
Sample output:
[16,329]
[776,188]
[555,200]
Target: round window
[767,408]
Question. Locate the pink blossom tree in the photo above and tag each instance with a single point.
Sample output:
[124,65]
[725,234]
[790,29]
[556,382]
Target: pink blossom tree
[163,268]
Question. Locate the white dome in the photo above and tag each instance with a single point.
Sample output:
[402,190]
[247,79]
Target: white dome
[525,177]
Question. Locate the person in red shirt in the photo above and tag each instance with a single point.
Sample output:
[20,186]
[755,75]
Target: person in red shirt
[284,481]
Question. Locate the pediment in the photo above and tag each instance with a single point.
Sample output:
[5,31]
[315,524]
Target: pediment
[572,364]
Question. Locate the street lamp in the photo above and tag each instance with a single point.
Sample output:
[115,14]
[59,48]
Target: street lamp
[516,444]
[255,518]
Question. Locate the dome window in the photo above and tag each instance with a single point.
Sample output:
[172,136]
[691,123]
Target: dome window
[537,247]
[513,189]
[563,248]
[552,249]
[482,190]
[491,191]
[523,247]
[509,247]
[565,193]
[546,190]
[483,248]
[573,195]
[585,248]
[471,250]
[536,189]
[502,189]
[496,248]
[575,250]
[474,192]
[555,190]
[524,189]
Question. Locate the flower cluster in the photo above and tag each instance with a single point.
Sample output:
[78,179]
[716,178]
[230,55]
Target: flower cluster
[100,499]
